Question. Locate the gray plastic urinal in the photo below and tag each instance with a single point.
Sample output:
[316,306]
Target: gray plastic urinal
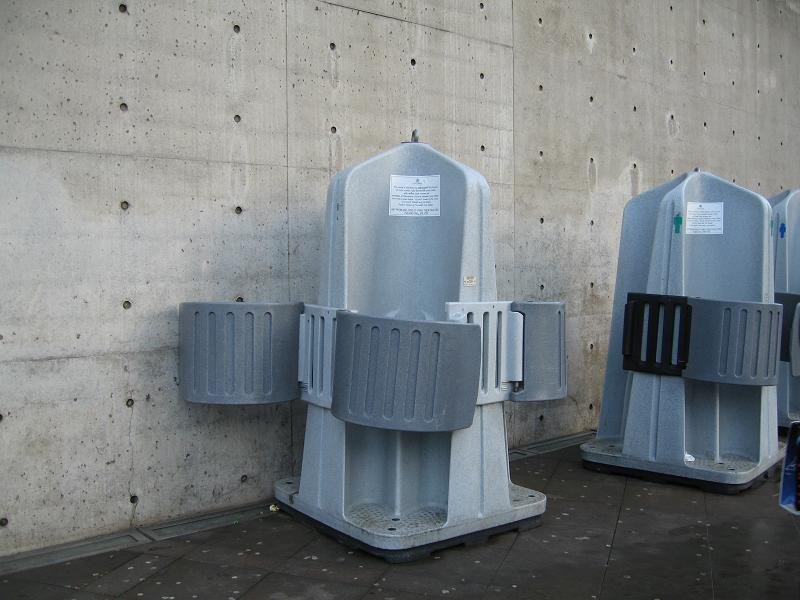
[689,392]
[786,223]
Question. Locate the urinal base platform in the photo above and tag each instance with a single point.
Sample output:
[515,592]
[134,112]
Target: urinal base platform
[404,555]
[712,477]
[713,487]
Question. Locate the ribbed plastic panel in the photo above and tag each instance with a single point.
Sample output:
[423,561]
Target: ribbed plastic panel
[790,332]
[544,351]
[405,375]
[734,342]
[238,353]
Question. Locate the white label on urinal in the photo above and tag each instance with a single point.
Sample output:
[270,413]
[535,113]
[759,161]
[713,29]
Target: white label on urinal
[414,196]
[704,217]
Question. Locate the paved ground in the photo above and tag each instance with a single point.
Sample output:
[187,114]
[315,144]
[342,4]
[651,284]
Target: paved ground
[602,537]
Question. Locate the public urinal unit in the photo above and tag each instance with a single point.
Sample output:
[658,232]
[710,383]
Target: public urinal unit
[404,361]
[786,223]
[689,391]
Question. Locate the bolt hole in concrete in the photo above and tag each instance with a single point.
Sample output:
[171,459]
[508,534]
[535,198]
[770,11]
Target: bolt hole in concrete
[413,62]
[591,222]
[591,284]
[541,219]
[3,522]
[541,418]
[333,46]
[634,49]
[237,118]
[238,210]
[481,75]
[483,148]
[124,205]
[541,287]
[634,109]
[392,528]
[126,304]
[591,346]
[236,29]
[634,165]
[123,8]
[333,129]
[123,107]
[134,499]
[541,87]
[395,519]
[481,5]
[590,36]
[129,402]
[541,153]
[591,407]
[239,299]
[540,20]
[244,478]
[591,98]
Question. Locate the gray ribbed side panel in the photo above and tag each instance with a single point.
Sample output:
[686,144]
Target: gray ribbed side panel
[238,353]
[544,342]
[734,342]
[405,375]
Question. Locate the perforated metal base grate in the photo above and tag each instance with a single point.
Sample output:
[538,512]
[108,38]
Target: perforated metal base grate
[374,517]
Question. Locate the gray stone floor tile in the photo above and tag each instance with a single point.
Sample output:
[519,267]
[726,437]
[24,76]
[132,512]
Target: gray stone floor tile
[474,564]
[327,560]
[259,544]
[281,586]
[755,555]
[130,574]
[571,481]
[78,573]
[379,593]
[15,589]
[190,580]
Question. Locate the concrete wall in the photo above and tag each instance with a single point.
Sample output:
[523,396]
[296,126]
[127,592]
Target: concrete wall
[567,107]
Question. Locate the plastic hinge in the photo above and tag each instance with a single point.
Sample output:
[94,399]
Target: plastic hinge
[501,345]
[523,348]
[317,333]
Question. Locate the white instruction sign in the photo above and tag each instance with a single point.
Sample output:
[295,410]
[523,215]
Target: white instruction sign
[414,196]
[704,217]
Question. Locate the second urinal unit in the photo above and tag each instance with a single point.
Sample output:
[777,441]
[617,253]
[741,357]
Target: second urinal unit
[786,223]
[692,363]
